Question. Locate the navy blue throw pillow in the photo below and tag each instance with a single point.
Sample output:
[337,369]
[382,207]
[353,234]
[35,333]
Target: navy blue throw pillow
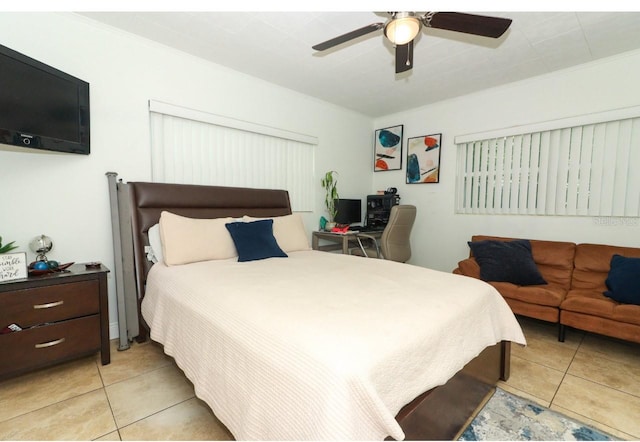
[255,240]
[623,280]
[506,261]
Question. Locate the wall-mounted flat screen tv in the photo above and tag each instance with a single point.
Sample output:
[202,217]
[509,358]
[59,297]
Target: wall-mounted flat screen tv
[42,107]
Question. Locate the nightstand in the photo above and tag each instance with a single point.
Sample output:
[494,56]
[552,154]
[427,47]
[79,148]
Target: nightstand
[63,316]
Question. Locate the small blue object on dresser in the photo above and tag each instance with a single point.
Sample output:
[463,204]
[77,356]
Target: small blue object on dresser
[40,265]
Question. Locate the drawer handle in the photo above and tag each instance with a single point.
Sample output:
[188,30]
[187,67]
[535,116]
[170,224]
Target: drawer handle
[50,343]
[49,305]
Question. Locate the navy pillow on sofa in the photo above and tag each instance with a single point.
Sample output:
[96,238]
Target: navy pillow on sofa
[255,240]
[506,261]
[623,280]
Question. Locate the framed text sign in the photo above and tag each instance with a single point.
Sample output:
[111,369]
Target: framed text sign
[13,266]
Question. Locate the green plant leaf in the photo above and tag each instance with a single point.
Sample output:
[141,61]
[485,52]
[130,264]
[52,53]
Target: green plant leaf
[7,247]
[330,184]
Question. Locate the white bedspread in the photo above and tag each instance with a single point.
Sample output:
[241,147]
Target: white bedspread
[318,345]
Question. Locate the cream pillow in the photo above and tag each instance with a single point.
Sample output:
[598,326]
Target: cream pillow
[289,232]
[186,240]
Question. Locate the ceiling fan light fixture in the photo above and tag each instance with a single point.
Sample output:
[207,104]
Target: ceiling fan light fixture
[403,28]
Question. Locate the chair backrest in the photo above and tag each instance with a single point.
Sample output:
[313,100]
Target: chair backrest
[395,242]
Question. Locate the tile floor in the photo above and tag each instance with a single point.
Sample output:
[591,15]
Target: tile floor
[589,377]
[142,395]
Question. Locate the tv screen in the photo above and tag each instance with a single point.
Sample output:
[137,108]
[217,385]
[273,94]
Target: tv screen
[349,211]
[42,107]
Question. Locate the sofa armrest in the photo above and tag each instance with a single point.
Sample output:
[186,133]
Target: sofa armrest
[468,267]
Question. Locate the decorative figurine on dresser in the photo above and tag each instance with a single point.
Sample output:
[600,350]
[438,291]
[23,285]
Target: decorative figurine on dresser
[55,313]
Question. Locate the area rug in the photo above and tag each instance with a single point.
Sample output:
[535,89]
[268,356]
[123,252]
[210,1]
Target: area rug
[509,417]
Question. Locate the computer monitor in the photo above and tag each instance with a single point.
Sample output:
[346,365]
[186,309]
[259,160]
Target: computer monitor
[349,211]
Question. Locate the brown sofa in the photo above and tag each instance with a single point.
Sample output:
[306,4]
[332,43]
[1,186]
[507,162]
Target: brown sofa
[573,295]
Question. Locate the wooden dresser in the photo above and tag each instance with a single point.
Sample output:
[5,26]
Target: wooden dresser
[62,315]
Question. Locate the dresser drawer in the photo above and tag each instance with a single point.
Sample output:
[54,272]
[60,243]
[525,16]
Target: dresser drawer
[40,305]
[39,346]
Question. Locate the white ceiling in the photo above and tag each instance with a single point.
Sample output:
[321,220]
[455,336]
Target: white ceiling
[360,75]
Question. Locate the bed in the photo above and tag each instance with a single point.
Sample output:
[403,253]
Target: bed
[317,346]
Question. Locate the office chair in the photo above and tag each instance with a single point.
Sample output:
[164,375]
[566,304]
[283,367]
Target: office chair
[394,244]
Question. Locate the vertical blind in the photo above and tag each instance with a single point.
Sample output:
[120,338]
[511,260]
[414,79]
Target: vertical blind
[586,169]
[192,147]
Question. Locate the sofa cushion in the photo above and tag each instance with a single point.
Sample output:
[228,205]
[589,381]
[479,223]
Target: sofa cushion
[629,313]
[468,267]
[506,261]
[592,264]
[549,295]
[554,259]
[623,280]
[592,302]
[542,312]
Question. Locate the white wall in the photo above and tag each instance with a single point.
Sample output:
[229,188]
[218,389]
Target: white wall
[66,197]
[439,237]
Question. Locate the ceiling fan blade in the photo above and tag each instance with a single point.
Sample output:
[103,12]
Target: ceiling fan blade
[482,25]
[404,57]
[348,36]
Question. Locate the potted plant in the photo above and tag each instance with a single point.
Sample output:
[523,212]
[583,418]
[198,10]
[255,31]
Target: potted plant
[7,247]
[330,184]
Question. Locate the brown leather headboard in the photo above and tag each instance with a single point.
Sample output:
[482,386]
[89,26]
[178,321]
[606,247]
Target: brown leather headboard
[148,200]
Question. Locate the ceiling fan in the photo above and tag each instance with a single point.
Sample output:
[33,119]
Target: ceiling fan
[403,27]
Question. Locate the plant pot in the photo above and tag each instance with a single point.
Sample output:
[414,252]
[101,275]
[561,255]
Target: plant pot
[329,226]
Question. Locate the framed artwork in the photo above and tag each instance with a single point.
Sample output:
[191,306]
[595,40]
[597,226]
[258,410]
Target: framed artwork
[423,159]
[388,149]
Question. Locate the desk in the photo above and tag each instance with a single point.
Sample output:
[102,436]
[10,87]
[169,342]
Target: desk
[338,238]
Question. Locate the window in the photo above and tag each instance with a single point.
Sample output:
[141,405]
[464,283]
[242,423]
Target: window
[193,147]
[553,168]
